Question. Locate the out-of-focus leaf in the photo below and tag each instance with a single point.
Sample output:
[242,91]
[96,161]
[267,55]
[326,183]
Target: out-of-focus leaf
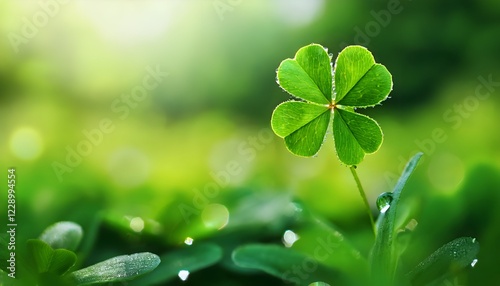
[320,238]
[319,284]
[64,234]
[284,263]
[191,258]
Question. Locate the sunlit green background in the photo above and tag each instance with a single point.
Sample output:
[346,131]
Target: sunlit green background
[204,126]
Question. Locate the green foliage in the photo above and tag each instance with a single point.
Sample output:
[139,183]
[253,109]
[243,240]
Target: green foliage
[319,284]
[119,268]
[279,261]
[448,259]
[52,259]
[46,259]
[383,254]
[386,250]
[74,90]
[189,259]
[358,82]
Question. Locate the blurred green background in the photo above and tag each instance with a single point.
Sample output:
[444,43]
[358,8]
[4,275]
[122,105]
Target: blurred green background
[153,117]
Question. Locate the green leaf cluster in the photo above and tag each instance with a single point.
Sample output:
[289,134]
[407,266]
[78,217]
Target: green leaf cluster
[325,94]
[52,256]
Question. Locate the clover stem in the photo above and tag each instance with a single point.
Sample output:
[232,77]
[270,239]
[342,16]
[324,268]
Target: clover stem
[363,196]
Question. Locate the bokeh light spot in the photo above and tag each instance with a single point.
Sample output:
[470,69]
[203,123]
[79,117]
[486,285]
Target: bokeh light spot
[188,241]
[298,12]
[26,143]
[137,224]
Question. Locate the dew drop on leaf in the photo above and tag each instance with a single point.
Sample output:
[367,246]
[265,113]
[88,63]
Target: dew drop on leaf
[188,241]
[384,201]
[183,275]
[473,263]
[289,238]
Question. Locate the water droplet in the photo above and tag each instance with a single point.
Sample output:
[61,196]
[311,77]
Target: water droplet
[289,238]
[183,274]
[188,240]
[26,143]
[384,201]
[215,216]
[473,263]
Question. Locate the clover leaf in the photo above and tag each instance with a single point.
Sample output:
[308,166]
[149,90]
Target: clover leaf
[325,94]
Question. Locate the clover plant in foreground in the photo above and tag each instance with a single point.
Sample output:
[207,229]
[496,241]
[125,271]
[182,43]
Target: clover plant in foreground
[325,95]
[329,94]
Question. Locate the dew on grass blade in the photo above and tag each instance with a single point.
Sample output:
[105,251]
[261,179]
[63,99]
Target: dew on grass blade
[188,240]
[455,255]
[289,238]
[384,201]
[118,268]
[183,274]
[473,263]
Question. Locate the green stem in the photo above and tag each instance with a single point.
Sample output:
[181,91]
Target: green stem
[363,196]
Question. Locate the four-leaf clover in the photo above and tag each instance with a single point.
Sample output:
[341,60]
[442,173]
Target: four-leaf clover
[331,94]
